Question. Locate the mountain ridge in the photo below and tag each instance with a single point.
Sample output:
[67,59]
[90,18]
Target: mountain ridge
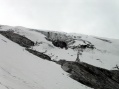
[96,52]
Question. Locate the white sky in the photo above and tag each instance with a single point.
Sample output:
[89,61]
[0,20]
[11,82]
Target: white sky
[92,17]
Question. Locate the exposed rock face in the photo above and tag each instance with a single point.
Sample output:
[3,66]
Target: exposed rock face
[58,39]
[21,40]
[39,54]
[92,76]
[57,36]
[61,62]
[60,44]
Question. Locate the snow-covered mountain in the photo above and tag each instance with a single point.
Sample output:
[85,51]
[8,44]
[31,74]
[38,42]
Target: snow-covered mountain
[23,50]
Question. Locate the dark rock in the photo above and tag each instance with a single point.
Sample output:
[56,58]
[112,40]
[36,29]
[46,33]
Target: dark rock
[61,62]
[83,46]
[60,44]
[39,54]
[90,46]
[94,77]
[21,40]
[87,46]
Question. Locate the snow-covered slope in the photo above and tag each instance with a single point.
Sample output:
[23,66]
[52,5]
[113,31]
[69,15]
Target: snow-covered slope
[20,69]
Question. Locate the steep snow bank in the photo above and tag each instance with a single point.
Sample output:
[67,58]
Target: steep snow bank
[20,69]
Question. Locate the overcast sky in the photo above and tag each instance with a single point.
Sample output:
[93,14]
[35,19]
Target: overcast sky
[92,17]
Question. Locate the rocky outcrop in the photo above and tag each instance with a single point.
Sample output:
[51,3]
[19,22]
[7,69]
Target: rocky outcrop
[58,39]
[92,76]
[60,44]
[21,40]
[25,42]
[39,54]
